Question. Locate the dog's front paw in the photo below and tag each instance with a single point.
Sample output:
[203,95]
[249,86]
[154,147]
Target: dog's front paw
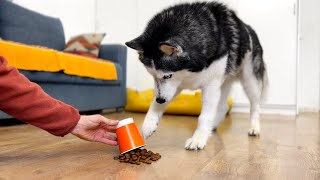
[198,141]
[254,131]
[149,126]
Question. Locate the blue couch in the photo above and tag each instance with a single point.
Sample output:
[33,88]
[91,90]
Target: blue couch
[86,94]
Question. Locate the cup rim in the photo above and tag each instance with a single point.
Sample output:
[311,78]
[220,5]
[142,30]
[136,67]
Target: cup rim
[124,122]
[132,149]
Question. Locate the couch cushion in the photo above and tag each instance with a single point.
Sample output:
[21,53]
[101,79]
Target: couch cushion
[61,78]
[22,25]
[26,57]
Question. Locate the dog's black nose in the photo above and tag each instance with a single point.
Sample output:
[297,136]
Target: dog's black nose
[160,100]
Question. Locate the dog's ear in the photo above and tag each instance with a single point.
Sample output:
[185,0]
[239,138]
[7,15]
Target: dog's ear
[169,49]
[135,44]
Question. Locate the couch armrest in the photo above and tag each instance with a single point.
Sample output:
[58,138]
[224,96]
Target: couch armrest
[116,53]
[113,52]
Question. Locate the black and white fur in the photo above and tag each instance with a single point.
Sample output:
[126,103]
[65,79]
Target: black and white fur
[201,46]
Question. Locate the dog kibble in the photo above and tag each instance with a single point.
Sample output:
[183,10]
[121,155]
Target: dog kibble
[138,156]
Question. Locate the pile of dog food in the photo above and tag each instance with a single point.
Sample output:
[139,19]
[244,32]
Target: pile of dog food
[138,156]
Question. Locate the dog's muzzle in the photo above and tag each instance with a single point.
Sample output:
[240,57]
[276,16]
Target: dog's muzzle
[160,100]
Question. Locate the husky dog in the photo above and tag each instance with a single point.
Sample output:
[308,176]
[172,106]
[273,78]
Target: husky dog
[201,46]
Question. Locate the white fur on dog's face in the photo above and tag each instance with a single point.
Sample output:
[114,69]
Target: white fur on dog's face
[166,88]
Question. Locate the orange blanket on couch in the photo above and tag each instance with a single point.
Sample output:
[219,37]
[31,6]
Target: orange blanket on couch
[35,58]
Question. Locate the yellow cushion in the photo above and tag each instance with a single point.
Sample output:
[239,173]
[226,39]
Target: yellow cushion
[34,58]
[186,104]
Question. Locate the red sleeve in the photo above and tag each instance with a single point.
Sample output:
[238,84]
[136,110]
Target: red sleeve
[27,102]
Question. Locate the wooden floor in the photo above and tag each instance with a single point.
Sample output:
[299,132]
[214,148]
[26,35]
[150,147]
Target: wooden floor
[288,148]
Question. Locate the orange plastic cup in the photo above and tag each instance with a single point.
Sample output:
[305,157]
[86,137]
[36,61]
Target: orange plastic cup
[128,135]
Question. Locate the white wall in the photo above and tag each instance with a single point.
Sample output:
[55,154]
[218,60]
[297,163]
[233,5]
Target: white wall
[276,27]
[77,16]
[309,59]
[119,21]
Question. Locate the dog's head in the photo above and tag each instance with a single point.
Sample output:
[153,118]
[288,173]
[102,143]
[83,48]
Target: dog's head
[172,45]
[165,62]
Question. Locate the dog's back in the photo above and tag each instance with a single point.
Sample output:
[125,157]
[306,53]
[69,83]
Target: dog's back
[206,31]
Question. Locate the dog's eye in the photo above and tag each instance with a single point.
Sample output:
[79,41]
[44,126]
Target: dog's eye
[167,76]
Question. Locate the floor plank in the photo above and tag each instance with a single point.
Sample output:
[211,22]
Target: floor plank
[288,148]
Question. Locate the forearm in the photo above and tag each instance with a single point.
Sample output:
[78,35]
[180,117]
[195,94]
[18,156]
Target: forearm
[27,102]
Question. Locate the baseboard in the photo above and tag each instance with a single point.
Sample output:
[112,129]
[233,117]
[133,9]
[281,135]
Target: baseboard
[267,109]
[308,109]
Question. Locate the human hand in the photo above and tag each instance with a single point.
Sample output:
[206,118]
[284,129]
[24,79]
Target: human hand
[96,128]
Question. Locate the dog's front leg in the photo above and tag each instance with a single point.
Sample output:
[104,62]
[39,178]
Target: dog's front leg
[210,98]
[152,118]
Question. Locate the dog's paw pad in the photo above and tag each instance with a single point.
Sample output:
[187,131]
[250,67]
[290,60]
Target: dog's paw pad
[253,132]
[195,143]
